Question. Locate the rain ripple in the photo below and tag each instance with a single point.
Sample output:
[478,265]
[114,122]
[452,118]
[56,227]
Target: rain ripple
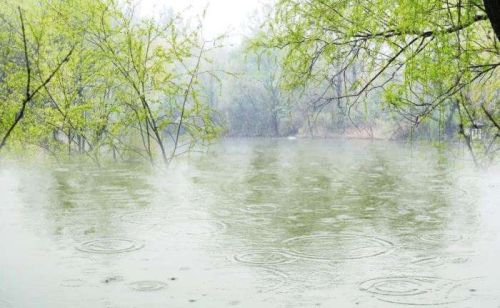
[436,261]
[111,245]
[72,283]
[260,209]
[262,257]
[437,238]
[329,246]
[148,285]
[416,290]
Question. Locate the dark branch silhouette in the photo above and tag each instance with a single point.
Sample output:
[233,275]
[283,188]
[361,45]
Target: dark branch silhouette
[29,95]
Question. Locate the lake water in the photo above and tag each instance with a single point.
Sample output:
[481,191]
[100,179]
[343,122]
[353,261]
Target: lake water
[255,223]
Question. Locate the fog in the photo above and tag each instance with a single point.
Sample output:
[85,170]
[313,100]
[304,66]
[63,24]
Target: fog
[292,153]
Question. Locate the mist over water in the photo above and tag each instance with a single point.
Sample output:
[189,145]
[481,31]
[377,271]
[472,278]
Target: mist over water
[255,223]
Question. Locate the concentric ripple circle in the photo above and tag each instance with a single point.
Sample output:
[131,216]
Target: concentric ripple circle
[260,208]
[262,257]
[332,247]
[252,221]
[261,188]
[110,245]
[441,237]
[415,290]
[72,283]
[194,227]
[397,286]
[147,218]
[148,285]
[435,261]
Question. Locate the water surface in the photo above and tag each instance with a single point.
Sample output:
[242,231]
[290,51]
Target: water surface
[255,223]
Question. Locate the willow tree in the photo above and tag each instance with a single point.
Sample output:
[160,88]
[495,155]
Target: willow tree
[90,78]
[73,113]
[159,64]
[25,68]
[418,56]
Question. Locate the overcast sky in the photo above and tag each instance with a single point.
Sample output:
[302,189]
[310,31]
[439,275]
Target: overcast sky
[222,15]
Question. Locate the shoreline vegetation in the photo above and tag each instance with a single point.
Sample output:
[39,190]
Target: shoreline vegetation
[95,80]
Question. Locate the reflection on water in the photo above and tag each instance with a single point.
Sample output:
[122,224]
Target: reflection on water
[254,223]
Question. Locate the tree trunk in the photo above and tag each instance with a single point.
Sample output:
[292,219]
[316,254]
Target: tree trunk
[493,11]
[450,126]
[275,122]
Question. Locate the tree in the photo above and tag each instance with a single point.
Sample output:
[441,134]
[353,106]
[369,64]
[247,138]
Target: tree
[31,90]
[153,60]
[492,8]
[251,95]
[416,56]
[128,87]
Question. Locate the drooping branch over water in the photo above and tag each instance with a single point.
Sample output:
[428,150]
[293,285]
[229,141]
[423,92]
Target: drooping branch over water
[414,58]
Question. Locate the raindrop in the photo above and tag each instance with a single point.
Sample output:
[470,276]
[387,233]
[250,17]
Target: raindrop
[263,257]
[415,290]
[112,279]
[260,208]
[145,217]
[72,283]
[194,227]
[435,261]
[261,188]
[344,217]
[110,245]
[441,237]
[223,213]
[255,221]
[334,247]
[148,285]
[312,190]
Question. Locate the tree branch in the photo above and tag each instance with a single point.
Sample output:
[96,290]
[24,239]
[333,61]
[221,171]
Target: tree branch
[29,95]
